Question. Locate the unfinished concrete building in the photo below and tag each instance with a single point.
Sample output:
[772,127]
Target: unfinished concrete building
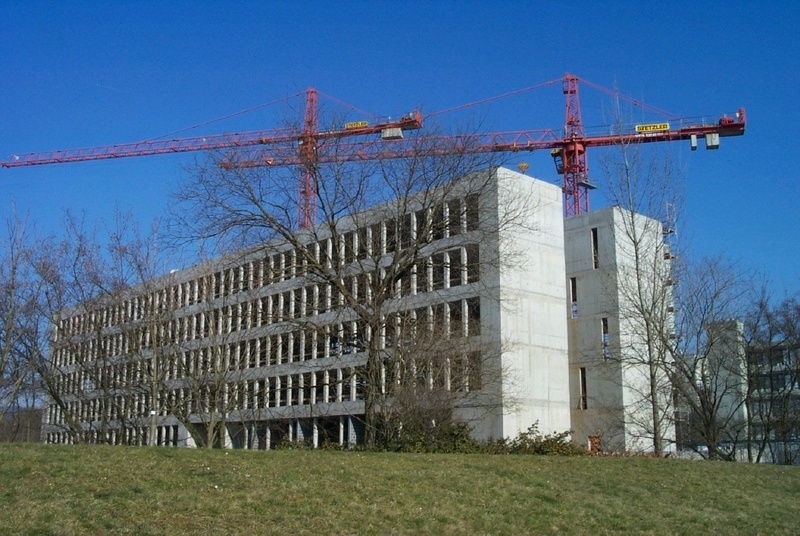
[255,346]
[283,359]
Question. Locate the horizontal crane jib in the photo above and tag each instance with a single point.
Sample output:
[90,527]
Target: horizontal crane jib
[411,121]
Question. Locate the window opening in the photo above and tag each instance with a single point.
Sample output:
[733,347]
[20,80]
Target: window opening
[473,316]
[473,212]
[573,295]
[583,404]
[473,263]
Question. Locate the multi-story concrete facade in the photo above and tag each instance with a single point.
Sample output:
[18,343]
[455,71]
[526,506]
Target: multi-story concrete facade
[258,346]
[618,273]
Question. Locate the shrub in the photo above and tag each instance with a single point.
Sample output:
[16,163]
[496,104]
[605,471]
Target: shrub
[455,437]
[450,437]
[532,441]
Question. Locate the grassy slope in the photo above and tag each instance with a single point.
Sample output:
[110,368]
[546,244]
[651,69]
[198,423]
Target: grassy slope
[96,489]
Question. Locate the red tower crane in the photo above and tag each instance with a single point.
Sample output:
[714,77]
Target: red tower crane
[306,148]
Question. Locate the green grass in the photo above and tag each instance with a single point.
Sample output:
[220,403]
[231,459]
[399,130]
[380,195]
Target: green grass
[104,490]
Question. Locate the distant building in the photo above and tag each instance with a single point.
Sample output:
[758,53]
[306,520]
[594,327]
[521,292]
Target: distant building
[718,389]
[753,393]
[775,402]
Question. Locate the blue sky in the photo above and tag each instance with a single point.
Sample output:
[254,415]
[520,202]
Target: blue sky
[78,74]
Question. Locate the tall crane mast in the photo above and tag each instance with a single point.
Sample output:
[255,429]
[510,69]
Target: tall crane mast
[306,148]
[573,151]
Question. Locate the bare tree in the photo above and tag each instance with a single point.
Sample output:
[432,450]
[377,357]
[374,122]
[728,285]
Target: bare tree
[91,327]
[644,189]
[20,392]
[388,232]
[708,365]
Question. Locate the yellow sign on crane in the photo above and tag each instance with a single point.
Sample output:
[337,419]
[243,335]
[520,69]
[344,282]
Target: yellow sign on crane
[652,127]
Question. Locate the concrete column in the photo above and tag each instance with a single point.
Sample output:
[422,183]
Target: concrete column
[185,437]
[351,433]
[225,438]
[256,438]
